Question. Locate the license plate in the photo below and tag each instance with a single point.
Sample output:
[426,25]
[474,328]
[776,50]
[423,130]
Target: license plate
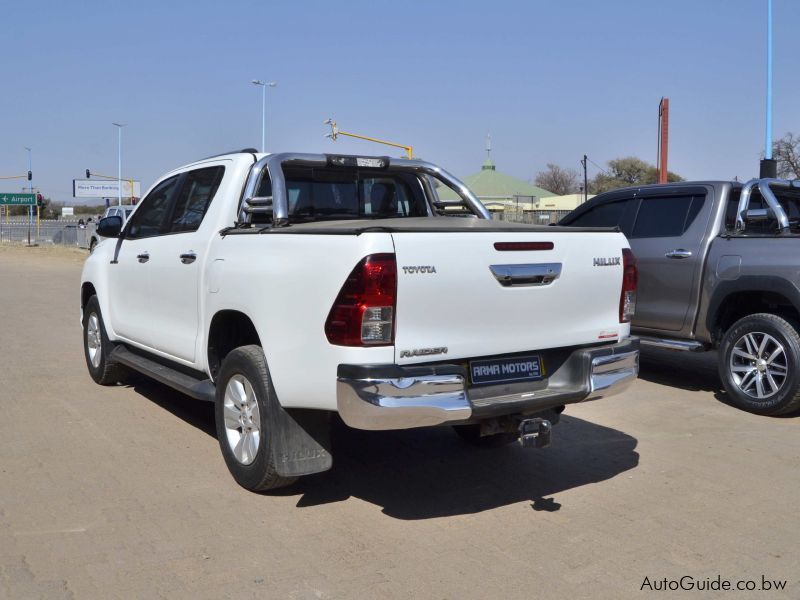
[506,370]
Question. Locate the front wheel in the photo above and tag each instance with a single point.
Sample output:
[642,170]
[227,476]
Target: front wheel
[244,400]
[97,347]
[759,364]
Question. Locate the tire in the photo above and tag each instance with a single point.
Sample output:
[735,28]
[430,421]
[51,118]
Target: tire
[759,364]
[244,400]
[97,347]
[471,434]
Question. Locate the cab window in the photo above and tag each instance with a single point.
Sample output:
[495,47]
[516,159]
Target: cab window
[194,198]
[151,216]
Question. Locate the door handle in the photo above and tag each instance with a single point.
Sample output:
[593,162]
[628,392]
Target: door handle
[678,253]
[143,257]
[188,257]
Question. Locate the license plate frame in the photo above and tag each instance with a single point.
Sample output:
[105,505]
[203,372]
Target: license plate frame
[516,369]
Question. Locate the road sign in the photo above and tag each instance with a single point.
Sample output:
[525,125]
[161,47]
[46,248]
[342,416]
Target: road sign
[96,188]
[12,199]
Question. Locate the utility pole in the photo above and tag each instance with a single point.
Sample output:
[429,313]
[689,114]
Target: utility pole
[585,180]
[663,139]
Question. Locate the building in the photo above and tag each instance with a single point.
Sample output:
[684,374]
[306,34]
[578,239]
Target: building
[498,191]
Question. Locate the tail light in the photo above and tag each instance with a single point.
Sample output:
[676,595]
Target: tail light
[363,314]
[630,279]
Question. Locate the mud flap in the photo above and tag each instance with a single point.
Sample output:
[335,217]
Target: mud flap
[301,441]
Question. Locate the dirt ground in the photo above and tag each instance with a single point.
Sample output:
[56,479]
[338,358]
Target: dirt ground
[122,492]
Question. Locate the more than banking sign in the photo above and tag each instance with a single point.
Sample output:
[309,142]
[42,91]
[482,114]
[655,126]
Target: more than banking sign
[91,188]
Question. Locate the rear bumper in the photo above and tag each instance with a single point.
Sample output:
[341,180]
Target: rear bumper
[381,397]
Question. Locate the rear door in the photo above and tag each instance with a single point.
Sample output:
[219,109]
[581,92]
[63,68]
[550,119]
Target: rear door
[459,295]
[176,261]
[666,238]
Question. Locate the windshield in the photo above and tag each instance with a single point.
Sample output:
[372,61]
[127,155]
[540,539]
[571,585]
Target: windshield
[329,194]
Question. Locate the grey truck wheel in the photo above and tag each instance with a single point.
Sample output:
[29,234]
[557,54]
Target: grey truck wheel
[759,364]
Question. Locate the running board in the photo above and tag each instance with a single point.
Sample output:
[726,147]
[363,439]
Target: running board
[682,345]
[199,389]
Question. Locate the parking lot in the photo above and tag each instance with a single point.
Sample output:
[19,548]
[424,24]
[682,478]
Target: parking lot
[122,492]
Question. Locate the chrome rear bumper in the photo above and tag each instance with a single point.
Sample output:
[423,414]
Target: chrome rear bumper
[393,397]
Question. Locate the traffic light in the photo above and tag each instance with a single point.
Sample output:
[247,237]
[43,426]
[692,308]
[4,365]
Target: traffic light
[30,175]
[40,202]
[88,174]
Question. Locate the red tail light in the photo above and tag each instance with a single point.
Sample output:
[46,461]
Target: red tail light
[630,279]
[363,314]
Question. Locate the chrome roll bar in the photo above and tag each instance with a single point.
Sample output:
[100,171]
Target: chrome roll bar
[278,203]
[768,195]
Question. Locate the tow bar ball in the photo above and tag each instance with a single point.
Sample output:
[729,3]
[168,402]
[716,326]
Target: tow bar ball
[535,433]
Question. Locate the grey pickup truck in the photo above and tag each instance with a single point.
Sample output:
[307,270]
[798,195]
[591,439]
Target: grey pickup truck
[719,268]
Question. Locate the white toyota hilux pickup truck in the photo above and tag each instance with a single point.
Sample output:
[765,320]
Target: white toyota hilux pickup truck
[286,288]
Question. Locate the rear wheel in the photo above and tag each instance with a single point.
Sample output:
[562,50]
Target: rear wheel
[97,347]
[244,400]
[759,364]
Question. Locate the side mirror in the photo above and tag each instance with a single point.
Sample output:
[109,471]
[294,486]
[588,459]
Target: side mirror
[110,227]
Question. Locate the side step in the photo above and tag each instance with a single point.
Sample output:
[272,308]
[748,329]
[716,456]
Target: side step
[668,344]
[199,389]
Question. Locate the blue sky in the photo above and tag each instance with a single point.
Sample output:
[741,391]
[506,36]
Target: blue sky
[550,81]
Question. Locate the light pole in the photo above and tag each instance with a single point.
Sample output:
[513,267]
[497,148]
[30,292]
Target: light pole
[119,127]
[264,85]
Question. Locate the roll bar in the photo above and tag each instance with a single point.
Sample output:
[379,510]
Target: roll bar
[278,203]
[766,192]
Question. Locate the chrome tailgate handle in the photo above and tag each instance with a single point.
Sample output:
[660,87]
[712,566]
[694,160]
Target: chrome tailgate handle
[678,253]
[526,275]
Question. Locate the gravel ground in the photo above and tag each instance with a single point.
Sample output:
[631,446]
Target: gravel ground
[122,493]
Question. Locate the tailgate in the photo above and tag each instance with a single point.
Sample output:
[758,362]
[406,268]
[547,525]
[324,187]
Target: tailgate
[460,297]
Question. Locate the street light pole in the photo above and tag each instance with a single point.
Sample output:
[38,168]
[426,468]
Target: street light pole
[264,85]
[119,127]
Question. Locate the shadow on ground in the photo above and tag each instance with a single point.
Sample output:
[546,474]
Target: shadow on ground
[692,371]
[427,473]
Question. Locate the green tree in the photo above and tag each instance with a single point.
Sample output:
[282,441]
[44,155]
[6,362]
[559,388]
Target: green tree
[625,172]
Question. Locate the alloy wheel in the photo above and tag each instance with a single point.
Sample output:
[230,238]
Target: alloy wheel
[242,419]
[759,365]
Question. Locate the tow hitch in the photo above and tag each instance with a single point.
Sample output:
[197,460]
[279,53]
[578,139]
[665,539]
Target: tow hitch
[534,433]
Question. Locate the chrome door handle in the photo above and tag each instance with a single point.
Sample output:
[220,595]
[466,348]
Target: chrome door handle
[678,253]
[188,257]
[143,257]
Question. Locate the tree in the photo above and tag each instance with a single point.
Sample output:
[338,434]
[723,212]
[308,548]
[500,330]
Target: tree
[627,171]
[557,180]
[787,152]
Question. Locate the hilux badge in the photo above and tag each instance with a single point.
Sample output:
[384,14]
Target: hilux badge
[606,262]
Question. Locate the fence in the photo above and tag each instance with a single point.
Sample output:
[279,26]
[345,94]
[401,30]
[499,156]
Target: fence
[532,217]
[58,232]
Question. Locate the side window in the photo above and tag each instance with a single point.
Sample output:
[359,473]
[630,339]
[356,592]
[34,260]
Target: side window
[610,214]
[149,218]
[194,198]
[666,216]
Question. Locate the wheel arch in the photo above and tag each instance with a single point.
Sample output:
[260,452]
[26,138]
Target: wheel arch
[227,330]
[733,300]
[87,291]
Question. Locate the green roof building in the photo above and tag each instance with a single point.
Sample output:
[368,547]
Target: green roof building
[497,190]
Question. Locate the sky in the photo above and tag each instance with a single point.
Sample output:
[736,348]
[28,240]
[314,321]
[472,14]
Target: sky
[550,81]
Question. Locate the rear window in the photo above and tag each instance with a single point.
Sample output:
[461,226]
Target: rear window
[666,216]
[322,194]
[789,200]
